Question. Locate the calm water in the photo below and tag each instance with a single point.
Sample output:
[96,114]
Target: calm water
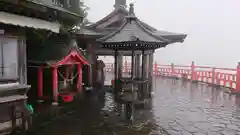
[177,108]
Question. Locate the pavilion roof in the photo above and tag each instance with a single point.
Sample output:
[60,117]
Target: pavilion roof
[133,35]
[122,11]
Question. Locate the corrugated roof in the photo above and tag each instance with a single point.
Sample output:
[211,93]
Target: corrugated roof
[23,21]
[50,4]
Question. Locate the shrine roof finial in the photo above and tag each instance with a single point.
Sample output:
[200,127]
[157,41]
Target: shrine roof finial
[131,14]
[131,10]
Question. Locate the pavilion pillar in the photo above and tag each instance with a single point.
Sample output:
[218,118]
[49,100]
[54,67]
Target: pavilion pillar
[120,65]
[133,66]
[150,74]
[116,74]
[90,74]
[55,85]
[91,59]
[130,105]
[40,82]
[144,75]
[138,68]
[138,65]
[79,80]
[146,90]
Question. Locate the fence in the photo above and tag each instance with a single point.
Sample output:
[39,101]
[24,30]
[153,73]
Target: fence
[226,77]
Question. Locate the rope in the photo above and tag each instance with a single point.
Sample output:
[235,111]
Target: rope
[68,80]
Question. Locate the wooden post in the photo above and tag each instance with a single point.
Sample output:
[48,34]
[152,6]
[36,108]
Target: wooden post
[55,85]
[138,66]
[22,62]
[90,82]
[116,74]
[131,108]
[143,65]
[133,65]
[40,82]
[79,81]
[120,65]
[146,85]
[150,76]
[238,78]
[141,91]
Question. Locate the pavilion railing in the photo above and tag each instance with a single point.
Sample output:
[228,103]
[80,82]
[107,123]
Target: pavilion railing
[225,77]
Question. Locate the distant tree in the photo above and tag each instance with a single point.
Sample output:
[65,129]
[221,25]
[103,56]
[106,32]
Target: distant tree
[83,11]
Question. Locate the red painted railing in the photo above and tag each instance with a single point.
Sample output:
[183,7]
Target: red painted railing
[226,77]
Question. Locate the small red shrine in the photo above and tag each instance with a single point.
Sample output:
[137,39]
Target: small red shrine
[64,65]
[73,58]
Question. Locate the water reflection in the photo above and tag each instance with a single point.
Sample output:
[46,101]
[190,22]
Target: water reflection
[176,107]
[194,105]
[92,116]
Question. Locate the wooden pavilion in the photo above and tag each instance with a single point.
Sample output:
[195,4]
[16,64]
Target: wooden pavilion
[109,24]
[132,36]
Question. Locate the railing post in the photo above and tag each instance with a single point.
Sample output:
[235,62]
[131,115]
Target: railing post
[172,70]
[193,75]
[238,78]
[213,75]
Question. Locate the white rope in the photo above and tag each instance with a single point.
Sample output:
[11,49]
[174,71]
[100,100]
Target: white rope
[68,80]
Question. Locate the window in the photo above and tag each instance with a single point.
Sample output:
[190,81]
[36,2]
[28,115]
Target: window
[8,57]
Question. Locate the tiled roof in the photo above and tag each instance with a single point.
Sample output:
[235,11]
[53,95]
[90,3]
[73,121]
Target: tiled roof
[132,34]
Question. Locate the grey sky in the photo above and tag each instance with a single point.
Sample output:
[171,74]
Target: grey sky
[212,26]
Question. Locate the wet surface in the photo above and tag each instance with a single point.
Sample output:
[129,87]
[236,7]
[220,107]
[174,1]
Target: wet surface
[188,108]
[177,108]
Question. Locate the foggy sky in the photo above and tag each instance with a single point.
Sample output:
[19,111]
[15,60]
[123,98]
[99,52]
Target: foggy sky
[213,28]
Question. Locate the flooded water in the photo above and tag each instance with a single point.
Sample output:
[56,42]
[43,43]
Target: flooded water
[177,108]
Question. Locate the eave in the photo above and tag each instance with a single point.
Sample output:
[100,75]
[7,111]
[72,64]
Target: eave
[40,10]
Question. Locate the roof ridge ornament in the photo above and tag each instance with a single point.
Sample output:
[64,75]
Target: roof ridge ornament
[131,15]
[131,9]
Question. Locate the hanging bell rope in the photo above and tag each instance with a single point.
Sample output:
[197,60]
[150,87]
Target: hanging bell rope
[66,79]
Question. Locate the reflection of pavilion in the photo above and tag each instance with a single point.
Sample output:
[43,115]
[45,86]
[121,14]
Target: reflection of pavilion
[237,102]
[133,37]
